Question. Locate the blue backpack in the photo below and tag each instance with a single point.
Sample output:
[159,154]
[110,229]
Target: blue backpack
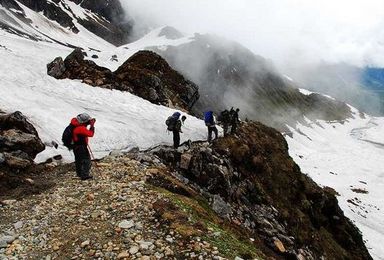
[208,118]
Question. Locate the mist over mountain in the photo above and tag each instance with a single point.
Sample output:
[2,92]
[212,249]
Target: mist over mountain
[230,75]
[360,87]
[293,35]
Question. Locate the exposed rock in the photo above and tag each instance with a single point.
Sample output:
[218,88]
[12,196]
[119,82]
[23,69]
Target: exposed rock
[279,245]
[133,250]
[145,74]
[56,68]
[17,121]
[269,195]
[126,224]
[185,161]
[123,255]
[17,160]
[221,207]
[108,20]
[19,141]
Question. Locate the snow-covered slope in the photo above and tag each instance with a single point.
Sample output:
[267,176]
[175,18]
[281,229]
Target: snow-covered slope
[348,157]
[123,120]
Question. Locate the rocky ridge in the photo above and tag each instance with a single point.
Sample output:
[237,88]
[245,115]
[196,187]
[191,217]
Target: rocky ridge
[145,74]
[242,196]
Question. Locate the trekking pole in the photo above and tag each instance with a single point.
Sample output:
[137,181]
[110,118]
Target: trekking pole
[93,158]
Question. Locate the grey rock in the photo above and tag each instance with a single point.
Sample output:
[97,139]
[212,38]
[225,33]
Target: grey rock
[221,207]
[18,225]
[56,68]
[133,250]
[2,158]
[5,240]
[126,224]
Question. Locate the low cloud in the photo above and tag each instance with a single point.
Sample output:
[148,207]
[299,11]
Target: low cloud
[287,31]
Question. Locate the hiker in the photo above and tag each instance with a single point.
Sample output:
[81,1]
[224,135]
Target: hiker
[210,122]
[80,144]
[234,120]
[174,124]
[225,119]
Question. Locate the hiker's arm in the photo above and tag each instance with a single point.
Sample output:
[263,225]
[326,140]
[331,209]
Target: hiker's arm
[82,130]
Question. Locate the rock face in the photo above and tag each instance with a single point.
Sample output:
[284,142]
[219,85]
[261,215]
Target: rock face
[251,180]
[145,74]
[107,18]
[19,141]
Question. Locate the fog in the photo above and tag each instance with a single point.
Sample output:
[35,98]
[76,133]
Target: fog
[282,30]
[297,36]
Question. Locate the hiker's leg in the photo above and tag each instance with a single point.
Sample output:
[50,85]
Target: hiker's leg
[225,128]
[209,134]
[216,132]
[176,139]
[85,161]
[77,161]
[234,127]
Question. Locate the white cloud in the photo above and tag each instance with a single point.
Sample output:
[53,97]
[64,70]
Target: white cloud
[282,30]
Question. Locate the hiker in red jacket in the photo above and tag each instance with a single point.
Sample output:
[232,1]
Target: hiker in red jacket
[80,144]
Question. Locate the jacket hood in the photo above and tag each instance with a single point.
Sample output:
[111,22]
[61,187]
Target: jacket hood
[75,122]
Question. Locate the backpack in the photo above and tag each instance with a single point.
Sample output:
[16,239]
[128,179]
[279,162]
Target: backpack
[224,116]
[67,137]
[208,118]
[171,123]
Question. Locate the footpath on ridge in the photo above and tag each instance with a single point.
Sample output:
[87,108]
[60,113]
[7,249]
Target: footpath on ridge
[112,216]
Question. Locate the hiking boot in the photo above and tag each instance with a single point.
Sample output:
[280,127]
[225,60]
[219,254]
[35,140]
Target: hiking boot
[86,177]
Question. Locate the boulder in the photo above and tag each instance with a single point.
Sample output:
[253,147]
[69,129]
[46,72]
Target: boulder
[17,160]
[19,141]
[56,68]
[18,121]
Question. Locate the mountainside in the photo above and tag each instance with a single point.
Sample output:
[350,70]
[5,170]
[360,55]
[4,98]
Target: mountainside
[360,87]
[236,176]
[103,18]
[229,75]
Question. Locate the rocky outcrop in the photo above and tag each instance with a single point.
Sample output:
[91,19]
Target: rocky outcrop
[19,141]
[145,74]
[251,181]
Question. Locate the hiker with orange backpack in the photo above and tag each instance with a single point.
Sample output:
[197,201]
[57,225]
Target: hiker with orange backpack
[75,137]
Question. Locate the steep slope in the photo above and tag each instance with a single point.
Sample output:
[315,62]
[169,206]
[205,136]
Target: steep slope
[347,157]
[124,120]
[103,18]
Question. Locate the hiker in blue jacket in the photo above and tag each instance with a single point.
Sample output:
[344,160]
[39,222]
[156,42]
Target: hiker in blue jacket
[210,122]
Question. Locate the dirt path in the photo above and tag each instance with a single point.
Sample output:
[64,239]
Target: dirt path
[110,217]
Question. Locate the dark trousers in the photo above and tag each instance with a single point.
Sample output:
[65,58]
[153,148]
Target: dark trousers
[225,128]
[82,160]
[233,128]
[210,130]
[176,139]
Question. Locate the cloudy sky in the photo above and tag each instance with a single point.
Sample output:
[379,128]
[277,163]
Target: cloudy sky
[305,31]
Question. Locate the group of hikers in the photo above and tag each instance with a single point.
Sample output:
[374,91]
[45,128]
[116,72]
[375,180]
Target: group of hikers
[82,127]
[229,119]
